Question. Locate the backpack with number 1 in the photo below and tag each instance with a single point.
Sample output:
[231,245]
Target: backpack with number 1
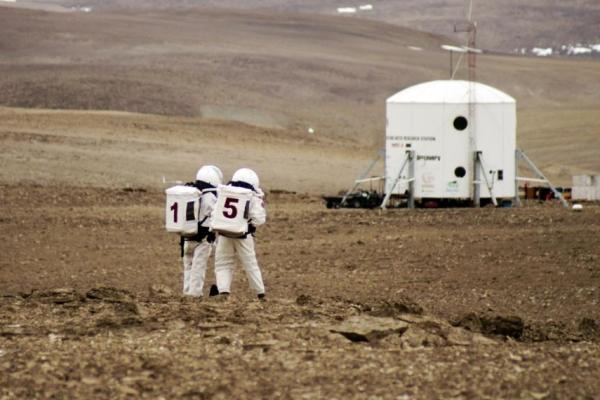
[182,208]
[230,215]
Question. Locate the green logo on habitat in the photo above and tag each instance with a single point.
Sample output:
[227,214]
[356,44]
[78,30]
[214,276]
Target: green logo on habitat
[452,186]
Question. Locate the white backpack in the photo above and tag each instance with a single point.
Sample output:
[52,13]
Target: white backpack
[181,210]
[230,215]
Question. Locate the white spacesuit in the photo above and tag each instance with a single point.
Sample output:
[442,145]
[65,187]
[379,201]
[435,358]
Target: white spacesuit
[197,249]
[245,182]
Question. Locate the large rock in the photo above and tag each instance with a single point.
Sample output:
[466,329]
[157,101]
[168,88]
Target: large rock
[110,295]
[57,296]
[428,331]
[366,328]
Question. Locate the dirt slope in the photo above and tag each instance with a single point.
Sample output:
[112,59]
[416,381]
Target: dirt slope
[284,71]
[108,149]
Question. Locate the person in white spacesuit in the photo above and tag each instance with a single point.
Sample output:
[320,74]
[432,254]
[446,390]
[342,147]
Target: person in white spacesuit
[218,171]
[241,206]
[197,249]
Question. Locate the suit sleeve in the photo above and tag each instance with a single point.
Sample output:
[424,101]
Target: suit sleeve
[257,214]
[206,208]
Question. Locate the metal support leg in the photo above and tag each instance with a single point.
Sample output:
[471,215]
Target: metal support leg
[476,180]
[539,173]
[389,193]
[411,181]
[487,183]
[361,177]
[480,169]
[517,198]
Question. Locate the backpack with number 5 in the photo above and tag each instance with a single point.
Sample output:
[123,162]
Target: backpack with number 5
[181,211]
[230,215]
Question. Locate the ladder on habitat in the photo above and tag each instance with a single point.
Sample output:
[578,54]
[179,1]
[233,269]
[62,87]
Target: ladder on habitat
[541,178]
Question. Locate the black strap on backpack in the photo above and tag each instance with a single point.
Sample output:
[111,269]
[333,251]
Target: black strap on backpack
[203,233]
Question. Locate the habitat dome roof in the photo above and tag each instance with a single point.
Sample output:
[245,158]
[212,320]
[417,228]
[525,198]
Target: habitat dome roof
[454,92]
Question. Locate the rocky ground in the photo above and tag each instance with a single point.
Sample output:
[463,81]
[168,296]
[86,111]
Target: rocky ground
[455,303]
[462,303]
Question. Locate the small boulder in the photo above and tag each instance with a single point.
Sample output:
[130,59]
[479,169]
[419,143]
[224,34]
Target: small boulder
[304,300]
[110,295]
[416,337]
[589,329]
[161,291]
[394,306]
[365,328]
[511,326]
[57,296]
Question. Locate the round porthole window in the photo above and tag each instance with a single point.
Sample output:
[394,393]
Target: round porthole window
[460,123]
[460,172]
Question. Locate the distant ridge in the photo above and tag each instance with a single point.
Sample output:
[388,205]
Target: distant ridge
[505,26]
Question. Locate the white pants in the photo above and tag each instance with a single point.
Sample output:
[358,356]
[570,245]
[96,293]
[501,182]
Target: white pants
[195,258]
[225,262]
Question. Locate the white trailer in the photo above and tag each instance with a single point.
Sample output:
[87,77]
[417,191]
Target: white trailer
[451,139]
[586,187]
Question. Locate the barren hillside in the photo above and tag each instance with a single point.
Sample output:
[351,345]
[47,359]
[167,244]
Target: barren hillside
[288,72]
[110,149]
[503,26]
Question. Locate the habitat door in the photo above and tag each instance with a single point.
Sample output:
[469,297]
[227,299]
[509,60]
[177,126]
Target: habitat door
[496,137]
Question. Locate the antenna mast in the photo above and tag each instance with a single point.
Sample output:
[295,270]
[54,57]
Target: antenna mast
[470,28]
[472,32]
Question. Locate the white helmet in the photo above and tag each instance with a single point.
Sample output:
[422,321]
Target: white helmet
[208,174]
[246,175]
[218,171]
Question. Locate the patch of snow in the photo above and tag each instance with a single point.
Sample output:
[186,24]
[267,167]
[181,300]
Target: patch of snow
[366,7]
[84,9]
[578,50]
[455,49]
[541,52]
[346,10]
[9,1]
[415,48]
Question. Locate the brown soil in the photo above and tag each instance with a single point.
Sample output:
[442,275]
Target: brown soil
[461,303]
[361,304]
